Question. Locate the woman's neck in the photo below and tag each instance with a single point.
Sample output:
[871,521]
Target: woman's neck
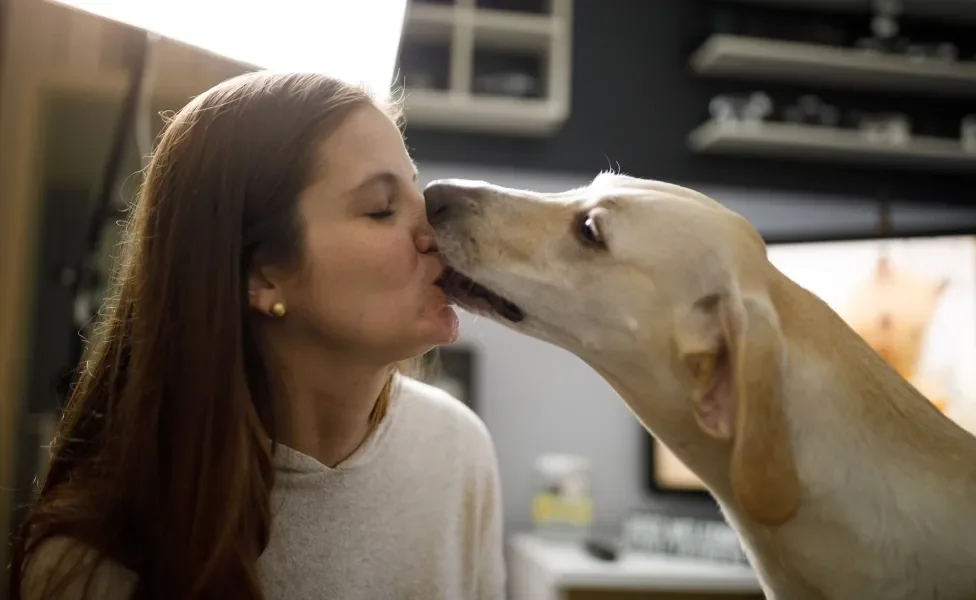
[329,403]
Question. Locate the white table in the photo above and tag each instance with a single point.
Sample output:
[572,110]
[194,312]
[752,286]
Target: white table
[546,570]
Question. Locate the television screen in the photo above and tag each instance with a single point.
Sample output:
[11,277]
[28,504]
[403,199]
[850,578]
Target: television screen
[912,299]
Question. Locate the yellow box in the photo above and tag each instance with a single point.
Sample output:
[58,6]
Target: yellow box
[549,508]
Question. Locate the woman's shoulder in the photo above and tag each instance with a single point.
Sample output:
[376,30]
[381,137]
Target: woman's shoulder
[445,430]
[435,402]
[67,566]
[438,412]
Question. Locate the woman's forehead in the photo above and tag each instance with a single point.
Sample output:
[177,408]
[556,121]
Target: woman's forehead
[366,142]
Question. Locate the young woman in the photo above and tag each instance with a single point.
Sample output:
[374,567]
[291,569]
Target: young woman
[239,429]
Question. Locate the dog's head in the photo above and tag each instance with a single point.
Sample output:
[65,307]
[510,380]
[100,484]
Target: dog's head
[637,275]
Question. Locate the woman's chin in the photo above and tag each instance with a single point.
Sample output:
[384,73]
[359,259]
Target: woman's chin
[446,326]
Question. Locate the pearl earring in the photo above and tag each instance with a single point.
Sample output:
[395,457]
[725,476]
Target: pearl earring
[278,309]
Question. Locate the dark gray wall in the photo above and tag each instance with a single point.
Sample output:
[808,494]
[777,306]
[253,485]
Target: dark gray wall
[634,101]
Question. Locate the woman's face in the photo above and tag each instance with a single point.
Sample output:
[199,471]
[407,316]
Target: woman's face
[366,287]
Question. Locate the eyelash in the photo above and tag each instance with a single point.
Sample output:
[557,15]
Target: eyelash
[381,215]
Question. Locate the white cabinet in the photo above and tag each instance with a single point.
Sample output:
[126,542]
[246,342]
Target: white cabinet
[464,30]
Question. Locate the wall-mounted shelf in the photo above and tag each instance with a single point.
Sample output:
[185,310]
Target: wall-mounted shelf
[947,10]
[744,57]
[465,31]
[467,112]
[505,29]
[429,22]
[492,28]
[827,144]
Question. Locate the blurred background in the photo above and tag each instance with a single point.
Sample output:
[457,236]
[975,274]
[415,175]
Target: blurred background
[845,130]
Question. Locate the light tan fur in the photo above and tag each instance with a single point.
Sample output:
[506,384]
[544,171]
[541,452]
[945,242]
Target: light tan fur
[843,482]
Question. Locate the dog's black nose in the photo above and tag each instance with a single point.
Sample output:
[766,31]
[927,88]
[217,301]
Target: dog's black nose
[441,198]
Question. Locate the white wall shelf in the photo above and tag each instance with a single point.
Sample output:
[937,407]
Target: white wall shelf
[429,22]
[827,144]
[464,28]
[744,57]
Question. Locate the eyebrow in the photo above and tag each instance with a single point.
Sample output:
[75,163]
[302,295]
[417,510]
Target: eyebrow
[383,177]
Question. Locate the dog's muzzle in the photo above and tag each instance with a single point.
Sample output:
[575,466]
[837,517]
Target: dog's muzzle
[448,200]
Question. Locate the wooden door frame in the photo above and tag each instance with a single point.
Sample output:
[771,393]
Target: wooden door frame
[19,201]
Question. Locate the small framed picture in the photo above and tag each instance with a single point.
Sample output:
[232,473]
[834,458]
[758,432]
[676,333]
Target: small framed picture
[451,368]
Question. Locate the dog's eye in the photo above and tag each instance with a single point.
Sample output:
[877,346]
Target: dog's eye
[588,230]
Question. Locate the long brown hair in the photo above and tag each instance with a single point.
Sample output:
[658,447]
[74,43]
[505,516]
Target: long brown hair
[162,460]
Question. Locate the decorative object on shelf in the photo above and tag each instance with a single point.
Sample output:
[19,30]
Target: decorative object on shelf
[885,28]
[884,22]
[885,38]
[915,51]
[511,84]
[944,51]
[895,45]
[883,128]
[812,110]
[757,108]
[562,507]
[725,108]
[507,73]
[967,133]
[751,109]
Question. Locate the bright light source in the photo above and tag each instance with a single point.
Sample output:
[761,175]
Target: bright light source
[356,40]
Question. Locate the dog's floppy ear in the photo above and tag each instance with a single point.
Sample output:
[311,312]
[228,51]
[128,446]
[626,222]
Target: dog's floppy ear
[734,348]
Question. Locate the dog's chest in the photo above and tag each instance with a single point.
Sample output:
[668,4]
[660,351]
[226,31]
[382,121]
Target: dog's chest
[852,548]
[868,529]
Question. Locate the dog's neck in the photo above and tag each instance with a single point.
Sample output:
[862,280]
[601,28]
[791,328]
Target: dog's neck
[892,477]
[870,405]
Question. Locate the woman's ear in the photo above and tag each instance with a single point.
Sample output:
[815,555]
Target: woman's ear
[262,293]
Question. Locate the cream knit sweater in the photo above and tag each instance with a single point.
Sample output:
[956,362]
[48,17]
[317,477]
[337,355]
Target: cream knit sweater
[415,513]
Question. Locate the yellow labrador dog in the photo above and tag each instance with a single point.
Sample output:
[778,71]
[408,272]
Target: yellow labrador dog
[843,482]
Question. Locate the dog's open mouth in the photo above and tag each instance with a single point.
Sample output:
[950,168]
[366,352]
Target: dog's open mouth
[470,294]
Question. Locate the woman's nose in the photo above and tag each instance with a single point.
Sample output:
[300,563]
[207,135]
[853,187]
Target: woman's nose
[426,241]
